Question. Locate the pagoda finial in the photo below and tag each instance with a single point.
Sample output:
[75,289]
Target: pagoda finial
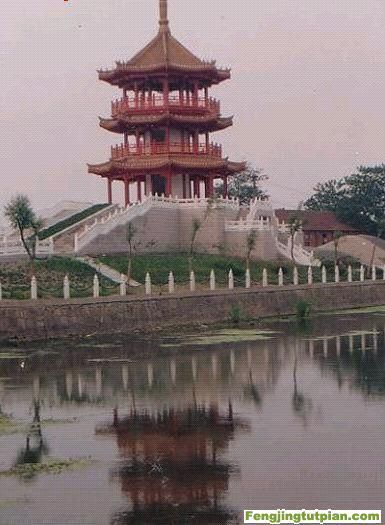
[163,20]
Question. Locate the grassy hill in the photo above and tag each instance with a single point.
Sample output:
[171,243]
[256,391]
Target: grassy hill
[16,277]
[160,265]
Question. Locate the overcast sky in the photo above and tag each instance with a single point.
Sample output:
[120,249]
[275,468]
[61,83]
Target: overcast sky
[307,88]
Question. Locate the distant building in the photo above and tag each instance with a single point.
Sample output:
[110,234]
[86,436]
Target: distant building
[318,227]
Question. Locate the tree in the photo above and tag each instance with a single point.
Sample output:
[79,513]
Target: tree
[251,241]
[195,227]
[245,186]
[22,218]
[380,233]
[295,225]
[336,241]
[130,236]
[357,200]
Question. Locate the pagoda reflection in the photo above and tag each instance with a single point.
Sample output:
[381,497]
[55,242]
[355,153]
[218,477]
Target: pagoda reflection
[173,469]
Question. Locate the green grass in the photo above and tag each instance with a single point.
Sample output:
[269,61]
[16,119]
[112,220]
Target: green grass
[159,266]
[66,223]
[16,277]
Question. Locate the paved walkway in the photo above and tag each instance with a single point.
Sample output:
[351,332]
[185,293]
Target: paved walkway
[106,271]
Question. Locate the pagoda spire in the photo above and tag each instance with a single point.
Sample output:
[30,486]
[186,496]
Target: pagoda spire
[163,20]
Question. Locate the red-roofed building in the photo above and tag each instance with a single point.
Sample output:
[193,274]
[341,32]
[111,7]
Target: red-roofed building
[318,227]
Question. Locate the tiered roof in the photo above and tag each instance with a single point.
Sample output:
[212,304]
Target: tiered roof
[164,53]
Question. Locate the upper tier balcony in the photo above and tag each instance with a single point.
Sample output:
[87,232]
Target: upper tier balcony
[163,148]
[157,104]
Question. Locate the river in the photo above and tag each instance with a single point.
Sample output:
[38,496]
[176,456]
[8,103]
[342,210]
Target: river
[192,430]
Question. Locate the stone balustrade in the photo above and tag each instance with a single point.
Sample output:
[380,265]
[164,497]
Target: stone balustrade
[308,278]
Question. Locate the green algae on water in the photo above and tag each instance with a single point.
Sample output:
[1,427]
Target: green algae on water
[230,335]
[51,466]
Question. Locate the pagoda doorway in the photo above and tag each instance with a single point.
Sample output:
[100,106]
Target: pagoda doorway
[158,184]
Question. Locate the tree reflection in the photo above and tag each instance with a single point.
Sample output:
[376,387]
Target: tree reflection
[35,446]
[302,405]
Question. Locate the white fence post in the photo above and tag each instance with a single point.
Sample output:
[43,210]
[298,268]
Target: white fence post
[324,275]
[66,287]
[34,288]
[123,285]
[280,277]
[295,276]
[231,279]
[192,282]
[76,242]
[171,283]
[362,273]
[310,275]
[265,281]
[374,275]
[96,287]
[147,284]
[212,280]
[350,274]
[248,279]
[337,274]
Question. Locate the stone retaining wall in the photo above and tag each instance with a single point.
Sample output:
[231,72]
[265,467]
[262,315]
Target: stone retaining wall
[59,318]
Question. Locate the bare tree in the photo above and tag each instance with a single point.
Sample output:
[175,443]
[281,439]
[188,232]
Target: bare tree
[295,225]
[251,241]
[130,236]
[195,227]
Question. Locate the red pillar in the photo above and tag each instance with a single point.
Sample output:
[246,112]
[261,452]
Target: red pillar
[109,191]
[225,188]
[211,186]
[168,184]
[139,185]
[166,91]
[126,192]
[207,142]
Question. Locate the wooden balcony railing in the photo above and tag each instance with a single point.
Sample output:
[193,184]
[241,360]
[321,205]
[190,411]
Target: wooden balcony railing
[157,104]
[162,148]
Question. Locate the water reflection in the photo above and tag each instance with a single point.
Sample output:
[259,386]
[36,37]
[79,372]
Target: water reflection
[176,444]
[172,467]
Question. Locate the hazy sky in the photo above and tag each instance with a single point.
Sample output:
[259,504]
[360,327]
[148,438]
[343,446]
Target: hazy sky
[307,88]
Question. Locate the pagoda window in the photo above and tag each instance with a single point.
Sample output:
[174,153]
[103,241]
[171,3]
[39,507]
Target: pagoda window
[158,135]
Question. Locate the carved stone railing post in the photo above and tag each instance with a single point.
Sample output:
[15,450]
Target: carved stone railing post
[280,277]
[171,283]
[337,274]
[231,279]
[248,279]
[324,275]
[374,273]
[265,281]
[147,284]
[66,288]
[212,280]
[33,288]
[96,287]
[362,273]
[310,275]
[123,285]
[192,282]
[350,274]
[295,276]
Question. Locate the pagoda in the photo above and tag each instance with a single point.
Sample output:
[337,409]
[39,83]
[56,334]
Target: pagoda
[166,116]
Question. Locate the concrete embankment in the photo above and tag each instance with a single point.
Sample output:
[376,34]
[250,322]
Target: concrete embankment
[78,317]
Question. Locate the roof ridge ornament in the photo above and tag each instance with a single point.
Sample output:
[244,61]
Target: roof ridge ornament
[163,19]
